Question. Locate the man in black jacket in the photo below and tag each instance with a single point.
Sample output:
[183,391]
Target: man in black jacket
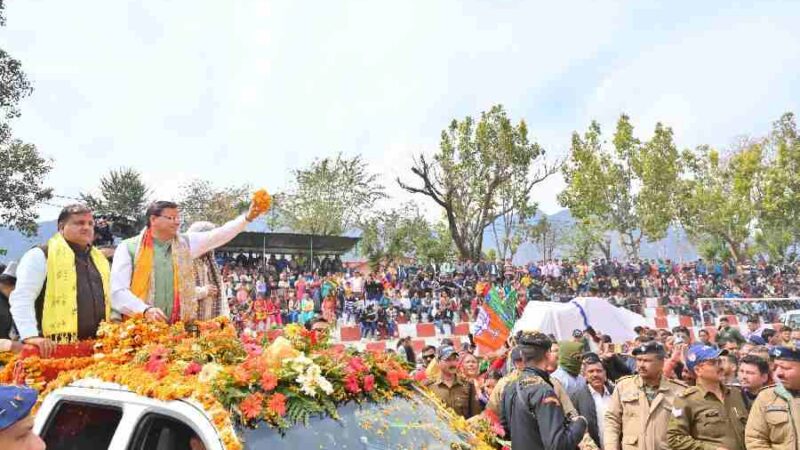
[530,409]
[591,399]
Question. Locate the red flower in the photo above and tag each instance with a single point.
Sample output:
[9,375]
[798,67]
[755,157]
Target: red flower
[268,381]
[356,366]
[351,384]
[311,335]
[277,404]
[253,349]
[420,376]
[193,368]
[394,377]
[369,383]
[157,364]
[242,375]
[251,406]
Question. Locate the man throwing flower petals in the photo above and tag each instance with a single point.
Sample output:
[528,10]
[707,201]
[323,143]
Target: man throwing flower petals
[152,272]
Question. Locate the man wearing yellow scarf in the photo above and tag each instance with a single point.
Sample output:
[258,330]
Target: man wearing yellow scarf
[63,288]
[152,273]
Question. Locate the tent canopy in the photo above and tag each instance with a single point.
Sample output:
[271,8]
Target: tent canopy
[289,243]
[560,319]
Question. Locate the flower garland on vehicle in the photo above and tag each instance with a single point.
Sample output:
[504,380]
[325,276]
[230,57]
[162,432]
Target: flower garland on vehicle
[281,381]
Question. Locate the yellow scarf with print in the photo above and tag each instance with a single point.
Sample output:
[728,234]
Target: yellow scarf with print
[60,311]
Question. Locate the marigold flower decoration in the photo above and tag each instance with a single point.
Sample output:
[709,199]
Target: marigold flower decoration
[262,200]
[277,383]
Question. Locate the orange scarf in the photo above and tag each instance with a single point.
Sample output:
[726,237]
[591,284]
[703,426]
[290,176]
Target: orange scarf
[143,273]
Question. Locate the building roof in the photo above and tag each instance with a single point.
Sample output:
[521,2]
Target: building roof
[289,243]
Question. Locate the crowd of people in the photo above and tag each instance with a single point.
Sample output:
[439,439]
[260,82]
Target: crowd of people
[662,386]
[663,389]
[275,290]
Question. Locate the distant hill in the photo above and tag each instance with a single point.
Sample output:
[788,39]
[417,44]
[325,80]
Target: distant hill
[16,244]
[675,246]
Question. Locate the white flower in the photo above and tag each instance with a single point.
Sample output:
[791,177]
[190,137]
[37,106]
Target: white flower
[325,385]
[307,385]
[209,372]
[299,363]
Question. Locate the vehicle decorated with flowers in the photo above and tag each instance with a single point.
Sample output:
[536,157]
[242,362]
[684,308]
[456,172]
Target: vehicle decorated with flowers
[144,385]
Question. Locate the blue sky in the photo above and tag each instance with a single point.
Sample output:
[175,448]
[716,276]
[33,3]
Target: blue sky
[245,91]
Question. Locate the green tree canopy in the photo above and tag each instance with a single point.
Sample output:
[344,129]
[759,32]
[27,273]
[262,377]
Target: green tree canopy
[721,196]
[483,170]
[122,193]
[201,200]
[22,168]
[22,174]
[403,233]
[630,188]
[330,196]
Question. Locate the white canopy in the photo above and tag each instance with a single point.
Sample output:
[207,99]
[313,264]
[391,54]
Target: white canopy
[560,319]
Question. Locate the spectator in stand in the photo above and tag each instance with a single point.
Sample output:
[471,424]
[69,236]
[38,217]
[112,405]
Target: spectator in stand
[786,337]
[771,337]
[754,327]
[726,333]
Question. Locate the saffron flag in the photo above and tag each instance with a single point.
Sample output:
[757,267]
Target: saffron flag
[496,318]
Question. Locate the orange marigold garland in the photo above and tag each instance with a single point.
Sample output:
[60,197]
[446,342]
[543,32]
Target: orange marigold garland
[278,381]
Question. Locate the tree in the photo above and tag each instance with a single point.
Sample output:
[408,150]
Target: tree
[585,237]
[22,169]
[14,86]
[779,221]
[545,235]
[721,197]
[481,172]
[330,196]
[22,173]
[402,233]
[123,193]
[200,200]
[631,189]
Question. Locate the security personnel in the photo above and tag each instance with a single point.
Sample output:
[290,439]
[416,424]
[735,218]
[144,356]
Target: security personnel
[531,411]
[16,423]
[497,393]
[638,413]
[775,415]
[709,414]
[566,404]
[454,391]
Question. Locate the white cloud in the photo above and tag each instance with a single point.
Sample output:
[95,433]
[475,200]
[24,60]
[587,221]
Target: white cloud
[245,91]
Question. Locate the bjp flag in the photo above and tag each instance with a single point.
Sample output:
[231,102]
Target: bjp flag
[490,332]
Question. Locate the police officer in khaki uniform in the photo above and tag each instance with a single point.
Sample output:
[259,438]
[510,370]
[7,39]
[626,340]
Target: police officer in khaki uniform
[708,415]
[775,415]
[639,410]
[455,392]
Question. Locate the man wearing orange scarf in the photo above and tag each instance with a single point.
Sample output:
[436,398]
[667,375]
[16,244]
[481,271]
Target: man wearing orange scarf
[152,273]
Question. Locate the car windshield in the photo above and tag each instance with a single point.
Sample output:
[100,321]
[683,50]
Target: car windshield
[402,423]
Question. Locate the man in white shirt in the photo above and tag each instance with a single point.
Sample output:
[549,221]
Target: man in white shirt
[592,399]
[82,284]
[156,296]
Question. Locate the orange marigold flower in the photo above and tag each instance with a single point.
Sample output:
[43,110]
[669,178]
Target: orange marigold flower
[268,381]
[262,200]
[251,406]
[242,375]
[277,404]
